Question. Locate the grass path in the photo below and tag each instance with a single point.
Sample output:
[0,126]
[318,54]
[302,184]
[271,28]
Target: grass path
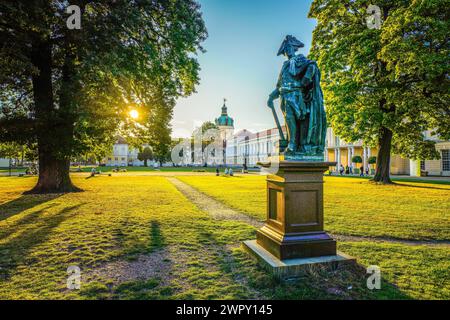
[213,207]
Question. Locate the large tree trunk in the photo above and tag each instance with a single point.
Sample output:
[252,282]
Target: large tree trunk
[382,174]
[52,132]
[53,175]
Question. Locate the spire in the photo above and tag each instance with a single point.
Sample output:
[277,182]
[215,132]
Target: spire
[224,107]
[224,120]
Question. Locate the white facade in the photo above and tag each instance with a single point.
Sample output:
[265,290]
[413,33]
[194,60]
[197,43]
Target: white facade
[250,148]
[119,156]
[124,155]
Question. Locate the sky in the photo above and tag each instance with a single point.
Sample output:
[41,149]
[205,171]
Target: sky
[241,62]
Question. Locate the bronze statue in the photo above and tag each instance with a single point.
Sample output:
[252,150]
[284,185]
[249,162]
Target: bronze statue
[302,105]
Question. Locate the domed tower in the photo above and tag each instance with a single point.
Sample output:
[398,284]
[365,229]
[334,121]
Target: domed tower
[225,123]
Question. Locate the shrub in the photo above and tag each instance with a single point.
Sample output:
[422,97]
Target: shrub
[372,160]
[357,159]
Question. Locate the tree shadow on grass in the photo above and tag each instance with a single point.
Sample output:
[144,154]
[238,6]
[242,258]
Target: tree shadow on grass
[141,274]
[23,203]
[133,245]
[28,219]
[16,251]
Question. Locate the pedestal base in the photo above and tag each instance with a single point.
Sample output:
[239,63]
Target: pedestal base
[290,246]
[293,267]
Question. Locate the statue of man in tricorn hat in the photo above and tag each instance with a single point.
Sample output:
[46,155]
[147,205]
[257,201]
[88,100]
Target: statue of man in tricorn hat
[302,105]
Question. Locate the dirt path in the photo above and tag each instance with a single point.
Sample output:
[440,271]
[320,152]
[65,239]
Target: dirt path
[215,208]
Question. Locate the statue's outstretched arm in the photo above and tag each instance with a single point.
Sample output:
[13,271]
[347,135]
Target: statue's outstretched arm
[275,94]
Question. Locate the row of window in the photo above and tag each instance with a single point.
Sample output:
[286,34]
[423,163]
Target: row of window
[445,155]
[253,148]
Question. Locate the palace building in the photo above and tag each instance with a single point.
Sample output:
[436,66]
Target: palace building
[245,147]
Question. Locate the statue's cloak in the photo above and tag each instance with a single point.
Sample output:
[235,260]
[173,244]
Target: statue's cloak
[308,73]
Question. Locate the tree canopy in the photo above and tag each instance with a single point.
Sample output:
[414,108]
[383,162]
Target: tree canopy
[386,85]
[145,155]
[70,89]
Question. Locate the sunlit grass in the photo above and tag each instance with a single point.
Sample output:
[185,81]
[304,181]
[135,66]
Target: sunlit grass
[352,206]
[119,221]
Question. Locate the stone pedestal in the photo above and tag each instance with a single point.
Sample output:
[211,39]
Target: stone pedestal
[294,225]
[293,236]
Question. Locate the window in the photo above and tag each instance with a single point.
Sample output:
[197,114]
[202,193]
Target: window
[422,165]
[446,160]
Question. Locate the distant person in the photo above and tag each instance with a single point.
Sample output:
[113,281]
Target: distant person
[361,171]
[231,172]
[217,172]
[351,169]
[347,170]
[341,170]
[367,170]
[226,170]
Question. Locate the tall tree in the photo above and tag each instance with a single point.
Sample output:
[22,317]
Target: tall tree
[67,90]
[385,85]
[145,155]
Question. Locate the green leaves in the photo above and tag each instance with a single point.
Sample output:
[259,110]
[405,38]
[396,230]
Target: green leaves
[140,53]
[394,77]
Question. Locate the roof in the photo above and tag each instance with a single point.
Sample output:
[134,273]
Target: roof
[261,134]
[225,119]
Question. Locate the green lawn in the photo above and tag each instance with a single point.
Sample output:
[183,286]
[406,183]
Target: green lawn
[137,237]
[150,169]
[3,170]
[353,206]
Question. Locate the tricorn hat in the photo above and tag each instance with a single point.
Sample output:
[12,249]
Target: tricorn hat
[290,41]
